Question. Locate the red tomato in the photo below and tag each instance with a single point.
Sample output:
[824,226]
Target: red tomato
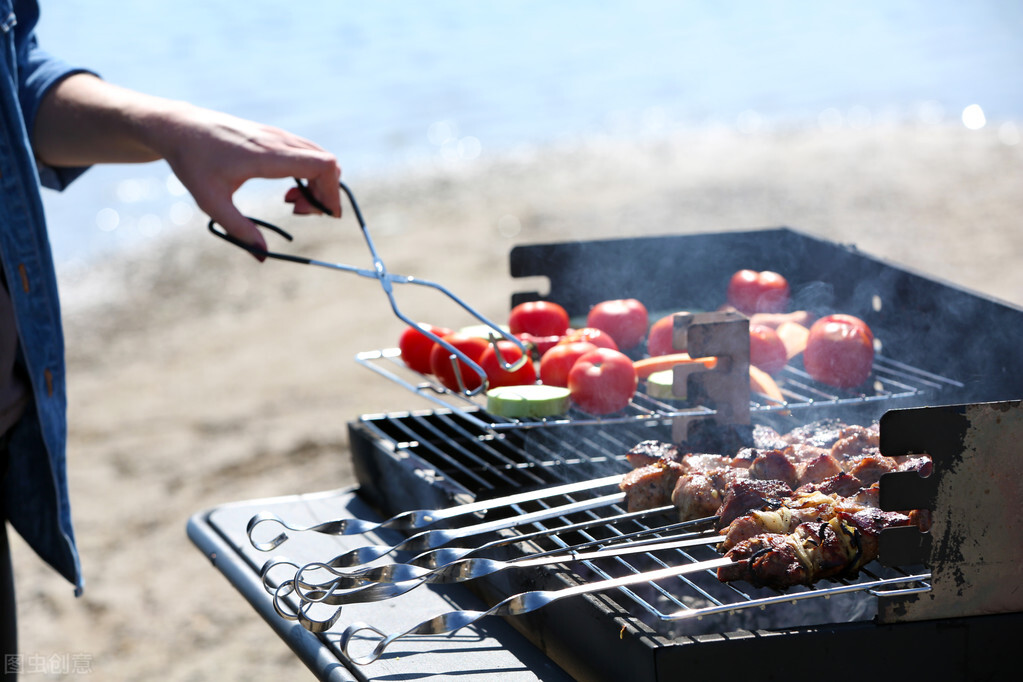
[498,375]
[539,318]
[766,349]
[597,337]
[540,344]
[758,292]
[442,368]
[839,351]
[602,381]
[625,319]
[659,340]
[557,362]
[415,346]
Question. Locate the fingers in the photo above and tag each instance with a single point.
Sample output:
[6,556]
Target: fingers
[325,192]
[224,213]
[325,187]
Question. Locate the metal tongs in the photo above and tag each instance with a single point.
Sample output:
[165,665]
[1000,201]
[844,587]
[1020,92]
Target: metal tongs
[387,280]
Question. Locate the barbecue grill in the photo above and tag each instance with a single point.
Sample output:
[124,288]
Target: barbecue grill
[945,382]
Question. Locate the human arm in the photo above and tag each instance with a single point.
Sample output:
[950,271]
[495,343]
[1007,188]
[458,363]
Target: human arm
[84,120]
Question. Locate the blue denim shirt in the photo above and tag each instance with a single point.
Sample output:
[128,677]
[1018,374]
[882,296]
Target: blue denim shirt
[35,495]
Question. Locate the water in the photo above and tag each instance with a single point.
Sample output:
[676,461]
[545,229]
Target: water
[386,84]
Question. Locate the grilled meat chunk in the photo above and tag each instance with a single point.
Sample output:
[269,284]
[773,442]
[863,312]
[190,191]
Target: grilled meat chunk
[922,464]
[746,495]
[817,470]
[703,463]
[699,494]
[696,496]
[856,439]
[650,451]
[822,434]
[766,438]
[773,465]
[841,484]
[650,486]
[869,469]
[767,558]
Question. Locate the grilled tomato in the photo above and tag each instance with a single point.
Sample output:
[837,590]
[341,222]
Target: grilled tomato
[602,381]
[415,346]
[752,292]
[539,318]
[625,319]
[839,351]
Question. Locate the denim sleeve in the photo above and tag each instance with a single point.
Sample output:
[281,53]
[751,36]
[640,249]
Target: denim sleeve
[38,72]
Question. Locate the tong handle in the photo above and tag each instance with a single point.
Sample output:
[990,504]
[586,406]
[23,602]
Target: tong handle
[387,280]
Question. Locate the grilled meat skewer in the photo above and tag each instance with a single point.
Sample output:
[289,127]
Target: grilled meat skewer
[815,550]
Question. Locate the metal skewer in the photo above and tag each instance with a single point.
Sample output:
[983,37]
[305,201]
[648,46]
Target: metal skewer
[387,280]
[435,559]
[441,556]
[438,537]
[514,605]
[404,577]
[417,519]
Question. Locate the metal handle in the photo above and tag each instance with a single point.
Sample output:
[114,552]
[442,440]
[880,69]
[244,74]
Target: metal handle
[387,280]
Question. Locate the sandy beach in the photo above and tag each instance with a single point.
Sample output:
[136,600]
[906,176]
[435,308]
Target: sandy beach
[198,376]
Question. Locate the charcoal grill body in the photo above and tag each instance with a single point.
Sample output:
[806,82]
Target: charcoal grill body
[430,459]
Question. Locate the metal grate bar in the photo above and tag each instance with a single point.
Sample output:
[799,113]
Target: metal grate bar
[892,380]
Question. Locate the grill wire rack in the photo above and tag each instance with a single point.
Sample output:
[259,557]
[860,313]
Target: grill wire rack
[891,381]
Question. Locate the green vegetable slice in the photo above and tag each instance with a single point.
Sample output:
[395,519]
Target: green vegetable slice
[531,401]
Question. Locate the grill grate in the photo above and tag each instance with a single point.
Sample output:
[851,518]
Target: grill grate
[488,464]
[892,382]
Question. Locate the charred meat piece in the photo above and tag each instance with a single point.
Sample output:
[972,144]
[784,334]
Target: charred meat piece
[841,484]
[760,522]
[817,470]
[703,463]
[696,496]
[769,558]
[766,438]
[744,496]
[922,464]
[744,458]
[802,452]
[869,469]
[821,434]
[650,486]
[650,451]
[855,440]
[700,494]
[773,465]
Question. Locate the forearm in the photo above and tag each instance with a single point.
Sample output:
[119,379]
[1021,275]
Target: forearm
[84,120]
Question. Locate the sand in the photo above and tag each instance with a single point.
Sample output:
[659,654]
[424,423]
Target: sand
[199,377]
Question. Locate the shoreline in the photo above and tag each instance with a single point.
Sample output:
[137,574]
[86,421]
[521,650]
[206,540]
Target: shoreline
[199,377]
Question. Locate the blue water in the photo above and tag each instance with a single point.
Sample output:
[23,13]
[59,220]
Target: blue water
[384,84]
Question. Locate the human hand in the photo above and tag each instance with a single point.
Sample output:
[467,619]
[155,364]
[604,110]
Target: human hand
[85,120]
[213,154]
